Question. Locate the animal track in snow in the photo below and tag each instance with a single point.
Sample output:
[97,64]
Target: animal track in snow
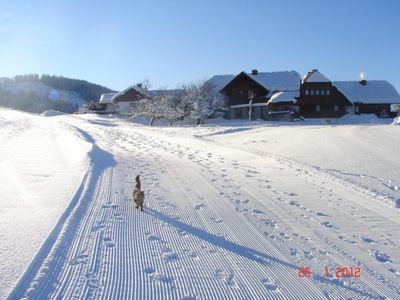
[227,277]
[270,285]
[108,242]
[80,259]
[199,206]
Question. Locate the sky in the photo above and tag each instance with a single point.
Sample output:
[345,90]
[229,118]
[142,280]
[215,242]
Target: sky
[119,43]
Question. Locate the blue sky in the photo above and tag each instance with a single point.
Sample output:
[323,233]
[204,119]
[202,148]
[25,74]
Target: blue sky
[118,43]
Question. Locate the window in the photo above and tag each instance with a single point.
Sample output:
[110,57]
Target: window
[322,92]
[317,92]
[250,94]
[240,92]
[311,92]
[328,91]
[336,108]
[306,92]
[317,108]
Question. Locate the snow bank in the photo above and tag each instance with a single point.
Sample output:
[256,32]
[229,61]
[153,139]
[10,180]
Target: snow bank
[52,113]
[42,164]
[396,121]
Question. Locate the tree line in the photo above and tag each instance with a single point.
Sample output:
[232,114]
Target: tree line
[32,102]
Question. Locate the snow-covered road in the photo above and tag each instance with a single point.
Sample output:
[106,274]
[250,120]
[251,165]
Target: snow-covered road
[220,222]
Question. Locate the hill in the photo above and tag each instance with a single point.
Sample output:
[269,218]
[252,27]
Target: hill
[34,93]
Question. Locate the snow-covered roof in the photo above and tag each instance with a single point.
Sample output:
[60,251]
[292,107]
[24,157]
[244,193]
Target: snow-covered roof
[139,90]
[374,91]
[174,92]
[314,76]
[106,98]
[277,81]
[220,81]
[248,105]
[289,96]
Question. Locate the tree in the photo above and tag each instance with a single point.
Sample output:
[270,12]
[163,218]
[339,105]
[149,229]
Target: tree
[204,99]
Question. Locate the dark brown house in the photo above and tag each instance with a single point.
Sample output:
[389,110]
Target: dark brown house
[319,98]
[370,97]
[250,92]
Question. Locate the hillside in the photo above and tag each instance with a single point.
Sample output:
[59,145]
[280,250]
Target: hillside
[34,93]
[231,211]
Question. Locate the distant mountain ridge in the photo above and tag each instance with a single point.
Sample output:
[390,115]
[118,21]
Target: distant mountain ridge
[34,93]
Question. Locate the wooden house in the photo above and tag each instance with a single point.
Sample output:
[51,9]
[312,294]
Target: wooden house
[248,93]
[370,97]
[319,98]
[126,99]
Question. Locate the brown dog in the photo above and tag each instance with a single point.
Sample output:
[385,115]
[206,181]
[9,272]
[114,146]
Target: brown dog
[138,194]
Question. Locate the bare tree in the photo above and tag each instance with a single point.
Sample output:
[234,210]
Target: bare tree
[204,99]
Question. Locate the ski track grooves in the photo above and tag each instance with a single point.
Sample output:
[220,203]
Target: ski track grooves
[197,238]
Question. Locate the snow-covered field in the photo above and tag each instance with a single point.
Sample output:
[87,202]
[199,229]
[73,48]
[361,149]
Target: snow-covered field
[232,211]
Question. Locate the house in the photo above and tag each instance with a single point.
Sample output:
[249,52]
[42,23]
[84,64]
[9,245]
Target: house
[322,98]
[377,97]
[126,99]
[249,93]
[106,102]
[319,98]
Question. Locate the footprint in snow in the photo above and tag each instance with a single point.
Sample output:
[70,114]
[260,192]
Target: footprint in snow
[80,259]
[367,239]
[169,255]
[98,227]
[108,242]
[199,206]
[382,257]
[227,277]
[92,281]
[270,285]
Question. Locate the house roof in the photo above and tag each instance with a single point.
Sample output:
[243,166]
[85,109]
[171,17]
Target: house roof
[314,76]
[288,96]
[132,93]
[277,81]
[106,98]
[272,81]
[374,91]
[174,92]
[220,81]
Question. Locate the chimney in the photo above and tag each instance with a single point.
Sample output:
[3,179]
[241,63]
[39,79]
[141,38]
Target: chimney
[362,79]
[254,72]
[139,85]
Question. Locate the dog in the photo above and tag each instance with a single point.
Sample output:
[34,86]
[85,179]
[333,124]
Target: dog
[138,194]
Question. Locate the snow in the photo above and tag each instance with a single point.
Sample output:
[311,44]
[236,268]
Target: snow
[277,81]
[272,81]
[52,113]
[315,76]
[289,96]
[142,92]
[396,121]
[375,91]
[220,81]
[232,210]
[106,98]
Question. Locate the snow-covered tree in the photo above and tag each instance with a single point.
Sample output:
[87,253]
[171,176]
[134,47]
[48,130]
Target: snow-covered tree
[204,99]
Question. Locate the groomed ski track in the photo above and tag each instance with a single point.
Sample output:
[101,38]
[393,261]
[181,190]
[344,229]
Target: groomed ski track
[219,223]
